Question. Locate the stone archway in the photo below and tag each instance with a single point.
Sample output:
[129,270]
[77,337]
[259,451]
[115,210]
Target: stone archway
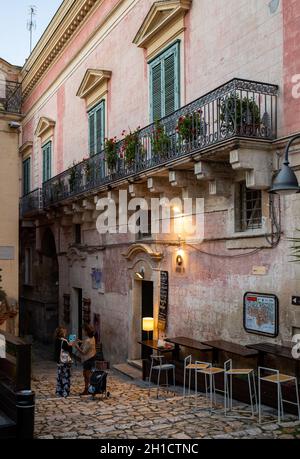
[39,299]
[141,258]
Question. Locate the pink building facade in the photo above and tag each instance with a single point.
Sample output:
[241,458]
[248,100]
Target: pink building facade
[105,67]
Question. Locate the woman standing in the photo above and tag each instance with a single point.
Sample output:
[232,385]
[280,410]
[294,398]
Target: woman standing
[88,352]
[63,351]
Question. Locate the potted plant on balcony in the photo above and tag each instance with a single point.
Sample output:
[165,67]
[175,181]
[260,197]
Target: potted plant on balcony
[74,176]
[111,153]
[241,115]
[132,147]
[191,126]
[160,141]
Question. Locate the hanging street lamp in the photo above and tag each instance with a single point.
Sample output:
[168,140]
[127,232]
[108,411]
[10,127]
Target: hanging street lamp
[286,182]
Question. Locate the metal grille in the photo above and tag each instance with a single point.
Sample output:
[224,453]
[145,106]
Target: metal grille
[239,108]
[10,96]
[250,208]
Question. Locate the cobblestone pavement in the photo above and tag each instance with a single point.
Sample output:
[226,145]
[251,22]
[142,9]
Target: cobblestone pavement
[129,413]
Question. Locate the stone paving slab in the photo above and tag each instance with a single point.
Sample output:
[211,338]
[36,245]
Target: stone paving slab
[131,413]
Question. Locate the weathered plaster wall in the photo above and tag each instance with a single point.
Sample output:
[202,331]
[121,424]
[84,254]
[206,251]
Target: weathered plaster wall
[291,62]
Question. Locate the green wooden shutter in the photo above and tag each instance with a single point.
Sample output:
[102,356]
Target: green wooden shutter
[156,91]
[164,83]
[26,176]
[47,157]
[92,133]
[100,127]
[97,128]
[170,84]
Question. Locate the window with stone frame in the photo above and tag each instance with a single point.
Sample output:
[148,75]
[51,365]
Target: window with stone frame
[145,214]
[248,208]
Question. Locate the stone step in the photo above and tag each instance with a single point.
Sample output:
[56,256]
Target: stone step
[136,364]
[128,370]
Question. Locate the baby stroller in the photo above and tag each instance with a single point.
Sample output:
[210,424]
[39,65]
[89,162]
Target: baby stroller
[97,385]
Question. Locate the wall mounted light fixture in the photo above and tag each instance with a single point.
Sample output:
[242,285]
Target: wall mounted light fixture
[286,182]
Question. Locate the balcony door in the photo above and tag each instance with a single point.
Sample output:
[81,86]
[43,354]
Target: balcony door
[164,83]
[47,161]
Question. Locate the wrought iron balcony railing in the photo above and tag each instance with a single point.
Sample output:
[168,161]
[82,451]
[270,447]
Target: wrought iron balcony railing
[31,203]
[239,108]
[10,96]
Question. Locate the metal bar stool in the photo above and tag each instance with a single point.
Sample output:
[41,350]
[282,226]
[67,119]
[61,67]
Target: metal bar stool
[189,367]
[229,372]
[275,377]
[158,365]
[211,372]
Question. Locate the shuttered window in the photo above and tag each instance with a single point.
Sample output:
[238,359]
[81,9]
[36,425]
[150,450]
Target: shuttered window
[96,128]
[164,83]
[47,160]
[26,176]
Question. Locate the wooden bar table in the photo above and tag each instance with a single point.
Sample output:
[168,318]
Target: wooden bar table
[152,345]
[189,343]
[230,348]
[281,352]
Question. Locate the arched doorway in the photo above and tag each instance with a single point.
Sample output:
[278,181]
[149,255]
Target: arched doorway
[39,297]
[144,293]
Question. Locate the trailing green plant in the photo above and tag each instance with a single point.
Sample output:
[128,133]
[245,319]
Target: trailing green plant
[191,126]
[131,146]
[160,141]
[111,152]
[88,170]
[244,110]
[74,174]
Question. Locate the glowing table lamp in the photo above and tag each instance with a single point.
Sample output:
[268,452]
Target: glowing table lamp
[148,324]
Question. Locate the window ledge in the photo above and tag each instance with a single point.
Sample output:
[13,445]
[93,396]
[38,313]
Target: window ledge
[254,239]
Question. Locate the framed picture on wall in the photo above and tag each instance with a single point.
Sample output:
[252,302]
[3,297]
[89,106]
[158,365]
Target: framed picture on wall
[261,314]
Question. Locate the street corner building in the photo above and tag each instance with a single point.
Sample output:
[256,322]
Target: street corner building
[158,99]
[10,123]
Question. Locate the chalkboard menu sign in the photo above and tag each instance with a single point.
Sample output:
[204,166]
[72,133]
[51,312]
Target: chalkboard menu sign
[163,302]
[86,311]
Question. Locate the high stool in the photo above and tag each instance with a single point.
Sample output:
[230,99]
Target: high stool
[229,372]
[160,366]
[189,367]
[277,378]
[211,372]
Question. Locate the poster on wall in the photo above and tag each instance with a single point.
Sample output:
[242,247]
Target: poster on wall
[97,279]
[163,301]
[261,314]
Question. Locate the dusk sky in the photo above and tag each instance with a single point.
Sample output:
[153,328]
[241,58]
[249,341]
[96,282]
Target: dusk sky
[14,36]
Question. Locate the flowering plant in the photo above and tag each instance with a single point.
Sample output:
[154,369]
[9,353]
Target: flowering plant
[111,152]
[160,141]
[132,146]
[191,126]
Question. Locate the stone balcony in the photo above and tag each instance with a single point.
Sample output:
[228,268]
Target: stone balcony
[229,129]
[10,97]
[32,203]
